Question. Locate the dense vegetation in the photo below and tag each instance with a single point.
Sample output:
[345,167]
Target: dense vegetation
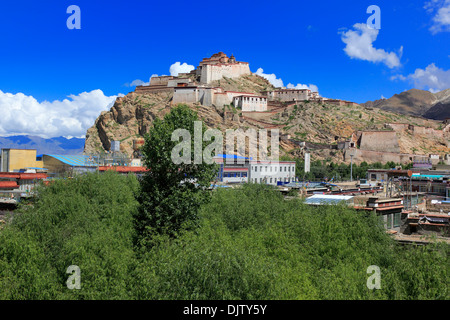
[173,190]
[250,244]
[168,237]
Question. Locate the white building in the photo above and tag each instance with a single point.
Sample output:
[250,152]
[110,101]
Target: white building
[219,65]
[291,94]
[242,170]
[250,103]
[271,172]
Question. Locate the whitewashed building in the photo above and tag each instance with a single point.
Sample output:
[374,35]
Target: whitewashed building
[250,103]
[272,172]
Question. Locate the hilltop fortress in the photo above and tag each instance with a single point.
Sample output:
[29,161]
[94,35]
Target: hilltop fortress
[225,94]
[195,87]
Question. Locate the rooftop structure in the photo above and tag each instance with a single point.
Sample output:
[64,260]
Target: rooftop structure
[322,199]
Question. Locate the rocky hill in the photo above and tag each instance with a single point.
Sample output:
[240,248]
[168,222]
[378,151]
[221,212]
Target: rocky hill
[416,102]
[312,122]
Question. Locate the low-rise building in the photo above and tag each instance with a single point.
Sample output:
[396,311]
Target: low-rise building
[242,170]
[13,160]
[272,172]
[250,103]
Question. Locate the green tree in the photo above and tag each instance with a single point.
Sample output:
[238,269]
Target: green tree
[171,193]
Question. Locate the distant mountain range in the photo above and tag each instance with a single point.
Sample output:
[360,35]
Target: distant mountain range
[416,102]
[59,145]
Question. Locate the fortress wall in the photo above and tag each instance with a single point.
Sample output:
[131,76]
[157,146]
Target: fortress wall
[292,95]
[383,157]
[160,81]
[205,96]
[382,141]
[428,132]
[189,95]
[398,126]
[221,99]
[151,89]
[218,71]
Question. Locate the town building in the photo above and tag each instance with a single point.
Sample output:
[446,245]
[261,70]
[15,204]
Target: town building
[17,185]
[242,170]
[13,160]
[249,103]
[68,165]
[272,172]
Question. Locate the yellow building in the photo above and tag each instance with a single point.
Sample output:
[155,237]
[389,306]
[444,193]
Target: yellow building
[16,159]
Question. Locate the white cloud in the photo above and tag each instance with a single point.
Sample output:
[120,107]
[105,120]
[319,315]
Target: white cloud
[272,78]
[441,15]
[431,78]
[311,87]
[277,82]
[359,45]
[174,70]
[177,68]
[24,115]
[139,82]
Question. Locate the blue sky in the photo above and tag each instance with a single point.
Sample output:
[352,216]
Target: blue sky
[78,73]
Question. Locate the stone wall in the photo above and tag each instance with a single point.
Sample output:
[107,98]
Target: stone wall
[423,131]
[381,141]
[397,126]
[211,72]
[383,157]
[160,81]
[185,95]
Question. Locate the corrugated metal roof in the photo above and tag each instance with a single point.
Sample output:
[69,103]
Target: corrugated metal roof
[74,161]
[319,199]
[230,156]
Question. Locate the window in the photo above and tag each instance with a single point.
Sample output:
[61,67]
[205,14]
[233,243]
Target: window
[270,180]
[397,218]
[285,169]
[256,169]
[289,169]
[389,221]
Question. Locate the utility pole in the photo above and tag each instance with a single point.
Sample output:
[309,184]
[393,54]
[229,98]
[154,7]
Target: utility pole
[351,167]
[351,152]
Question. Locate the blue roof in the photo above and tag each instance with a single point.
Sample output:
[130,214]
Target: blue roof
[231,156]
[427,176]
[74,161]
